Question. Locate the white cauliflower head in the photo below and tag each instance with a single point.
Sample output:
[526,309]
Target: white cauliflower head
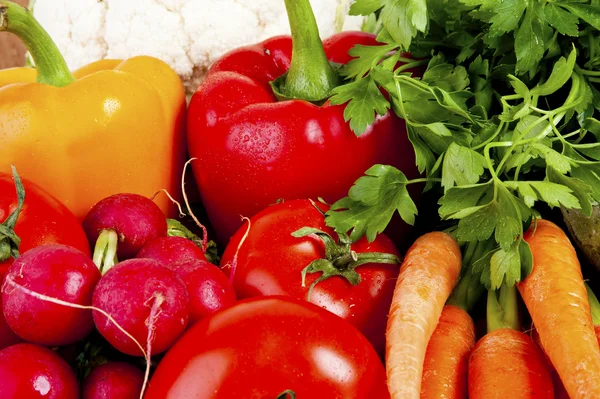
[189,35]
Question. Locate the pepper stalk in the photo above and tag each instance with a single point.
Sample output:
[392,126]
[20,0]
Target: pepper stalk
[310,76]
[51,66]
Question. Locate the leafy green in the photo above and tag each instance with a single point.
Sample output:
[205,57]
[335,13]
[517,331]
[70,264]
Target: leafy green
[505,116]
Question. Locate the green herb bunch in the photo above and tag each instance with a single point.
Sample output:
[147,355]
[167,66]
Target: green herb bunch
[505,115]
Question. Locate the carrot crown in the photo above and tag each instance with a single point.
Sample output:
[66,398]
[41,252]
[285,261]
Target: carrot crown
[502,310]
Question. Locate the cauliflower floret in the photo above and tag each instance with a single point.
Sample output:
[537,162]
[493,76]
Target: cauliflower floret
[189,35]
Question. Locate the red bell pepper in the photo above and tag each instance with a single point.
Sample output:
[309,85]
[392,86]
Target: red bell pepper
[255,147]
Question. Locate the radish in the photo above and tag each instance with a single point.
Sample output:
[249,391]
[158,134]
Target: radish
[53,271]
[120,225]
[113,380]
[30,371]
[147,300]
[7,336]
[171,250]
[208,287]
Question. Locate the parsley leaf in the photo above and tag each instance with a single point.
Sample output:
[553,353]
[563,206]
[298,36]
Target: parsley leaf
[462,166]
[404,18]
[364,100]
[371,203]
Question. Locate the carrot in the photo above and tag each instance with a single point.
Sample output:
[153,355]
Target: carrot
[507,363]
[447,357]
[559,389]
[427,275]
[555,296]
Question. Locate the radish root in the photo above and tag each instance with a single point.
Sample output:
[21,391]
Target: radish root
[187,204]
[157,300]
[173,200]
[235,257]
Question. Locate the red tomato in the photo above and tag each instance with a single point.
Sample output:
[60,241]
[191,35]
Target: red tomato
[43,219]
[271,260]
[263,346]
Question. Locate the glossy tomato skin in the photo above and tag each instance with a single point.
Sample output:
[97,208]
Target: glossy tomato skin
[261,347]
[270,262]
[43,219]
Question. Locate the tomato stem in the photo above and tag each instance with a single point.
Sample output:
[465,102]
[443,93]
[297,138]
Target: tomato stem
[310,76]
[105,251]
[50,64]
[9,240]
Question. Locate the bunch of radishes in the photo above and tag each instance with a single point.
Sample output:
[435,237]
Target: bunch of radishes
[140,291]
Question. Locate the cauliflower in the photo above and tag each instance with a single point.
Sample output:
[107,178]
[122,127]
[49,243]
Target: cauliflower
[189,35]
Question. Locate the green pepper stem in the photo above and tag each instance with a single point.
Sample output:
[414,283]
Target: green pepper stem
[50,64]
[105,250]
[502,309]
[310,76]
[9,240]
[594,305]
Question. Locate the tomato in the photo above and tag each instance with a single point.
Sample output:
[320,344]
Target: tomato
[271,260]
[43,219]
[261,347]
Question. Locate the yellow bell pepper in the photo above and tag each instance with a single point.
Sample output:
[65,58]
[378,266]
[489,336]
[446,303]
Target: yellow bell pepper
[113,126]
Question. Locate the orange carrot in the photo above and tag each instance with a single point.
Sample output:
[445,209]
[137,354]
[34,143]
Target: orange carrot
[427,275]
[506,363]
[447,357]
[556,298]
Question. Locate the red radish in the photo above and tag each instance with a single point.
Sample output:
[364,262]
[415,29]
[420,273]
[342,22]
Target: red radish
[208,287]
[7,336]
[30,371]
[171,250]
[147,300]
[120,225]
[56,271]
[113,380]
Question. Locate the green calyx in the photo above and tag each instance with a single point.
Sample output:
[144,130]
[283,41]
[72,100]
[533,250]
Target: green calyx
[340,259]
[502,309]
[177,229]
[50,64]
[105,250]
[310,76]
[287,394]
[9,240]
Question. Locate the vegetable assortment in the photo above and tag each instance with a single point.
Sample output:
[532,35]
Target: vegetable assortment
[476,121]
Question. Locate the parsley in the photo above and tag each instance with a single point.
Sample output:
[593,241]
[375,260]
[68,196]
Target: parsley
[505,116]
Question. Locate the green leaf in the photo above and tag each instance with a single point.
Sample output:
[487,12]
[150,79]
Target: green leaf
[459,198]
[562,20]
[462,166]
[505,267]
[372,202]
[364,100]
[507,15]
[580,190]
[365,7]
[479,225]
[553,158]
[589,13]
[561,73]
[423,154]
[447,77]
[529,41]
[526,259]
[404,18]
[589,174]
[366,58]
[552,193]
